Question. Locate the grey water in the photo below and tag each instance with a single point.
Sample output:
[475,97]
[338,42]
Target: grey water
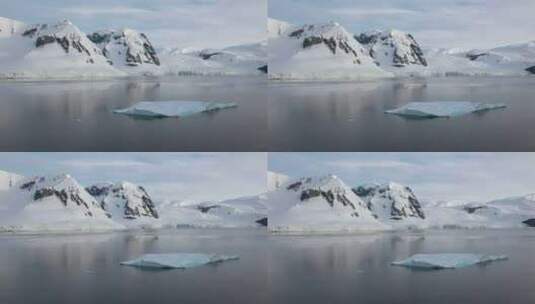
[349,116]
[77,115]
[271,268]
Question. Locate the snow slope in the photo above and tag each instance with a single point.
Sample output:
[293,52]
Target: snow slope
[128,50]
[320,51]
[235,213]
[319,204]
[9,180]
[247,59]
[127,203]
[52,203]
[58,50]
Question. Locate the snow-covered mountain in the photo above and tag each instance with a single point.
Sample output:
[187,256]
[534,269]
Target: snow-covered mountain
[61,50]
[242,212]
[303,53]
[52,203]
[247,59]
[9,180]
[319,204]
[9,27]
[391,202]
[128,50]
[277,28]
[392,48]
[58,50]
[126,202]
[320,51]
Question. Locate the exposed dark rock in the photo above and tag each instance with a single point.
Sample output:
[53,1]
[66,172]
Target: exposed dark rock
[297,33]
[205,209]
[47,192]
[263,69]
[311,41]
[43,40]
[309,193]
[263,221]
[27,186]
[207,56]
[531,69]
[475,56]
[294,186]
[30,32]
[530,222]
[473,209]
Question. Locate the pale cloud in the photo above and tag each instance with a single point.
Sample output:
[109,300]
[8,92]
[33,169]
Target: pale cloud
[433,176]
[168,23]
[437,23]
[167,176]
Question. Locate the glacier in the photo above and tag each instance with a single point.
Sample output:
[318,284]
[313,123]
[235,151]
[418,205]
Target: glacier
[158,109]
[447,260]
[435,109]
[177,260]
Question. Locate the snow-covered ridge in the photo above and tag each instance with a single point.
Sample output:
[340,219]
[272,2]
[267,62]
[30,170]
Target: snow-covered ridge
[392,48]
[391,201]
[124,200]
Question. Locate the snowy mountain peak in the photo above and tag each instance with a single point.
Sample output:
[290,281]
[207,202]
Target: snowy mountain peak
[392,48]
[332,36]
[62,189]
[331,189]
[125,47]
[390,201]
[124,200]
[65,35]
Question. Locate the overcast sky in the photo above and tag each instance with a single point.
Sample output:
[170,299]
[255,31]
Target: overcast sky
[433,176]
[173,176]
[169,23]
[434,23]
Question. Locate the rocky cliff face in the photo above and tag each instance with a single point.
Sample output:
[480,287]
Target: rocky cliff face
[392,48]
[125,47]
[390,201]
[124,200]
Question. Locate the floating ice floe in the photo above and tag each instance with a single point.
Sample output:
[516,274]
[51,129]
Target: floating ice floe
[447,261]
[443,108]
[155,109]
[177,260]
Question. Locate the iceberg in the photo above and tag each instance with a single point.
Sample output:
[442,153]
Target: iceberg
[447,260]
[442,109]
[177,260]
[158,109]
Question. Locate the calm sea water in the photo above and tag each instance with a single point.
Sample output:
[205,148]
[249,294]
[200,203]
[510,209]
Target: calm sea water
[349,116]
[271,269]
[77,115]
